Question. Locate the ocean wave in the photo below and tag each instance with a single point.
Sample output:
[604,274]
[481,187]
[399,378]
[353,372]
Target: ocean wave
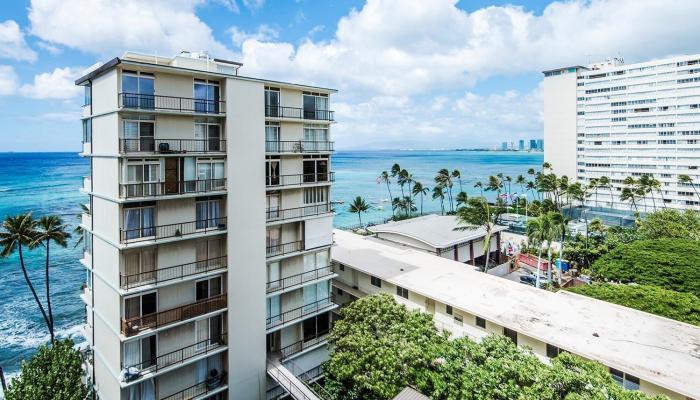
[23,336]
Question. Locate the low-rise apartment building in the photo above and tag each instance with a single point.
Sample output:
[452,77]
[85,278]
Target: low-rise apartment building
[209,227]
[644,352]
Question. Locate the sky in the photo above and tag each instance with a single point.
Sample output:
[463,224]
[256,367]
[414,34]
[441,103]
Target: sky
[410,73]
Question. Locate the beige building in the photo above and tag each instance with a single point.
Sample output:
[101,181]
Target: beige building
[204,270]
[643,351]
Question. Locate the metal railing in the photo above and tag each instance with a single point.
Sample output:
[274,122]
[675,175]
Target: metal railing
[171,146]
[159,319]
[290,387]
[301,345]
[298,146]
[299,179]
[155,189]
[284,248]
[178,356]
[298,279]
[158,232]
[130,281]
[208,385]
[272,215]
[298,113]
[300,312]
[139,101]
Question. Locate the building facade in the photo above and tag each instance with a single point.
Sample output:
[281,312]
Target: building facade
[619,120]
[209,228]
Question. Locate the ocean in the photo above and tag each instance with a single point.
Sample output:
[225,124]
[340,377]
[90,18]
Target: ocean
[48,183]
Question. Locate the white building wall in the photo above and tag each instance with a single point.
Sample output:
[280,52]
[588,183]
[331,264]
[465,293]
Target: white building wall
[560,123]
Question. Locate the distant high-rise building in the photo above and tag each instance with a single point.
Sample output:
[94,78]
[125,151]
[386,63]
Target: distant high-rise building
[521,145]
[504,146]
[540,144]
[533,144]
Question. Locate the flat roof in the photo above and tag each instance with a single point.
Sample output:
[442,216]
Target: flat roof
[437,231]
[655,349]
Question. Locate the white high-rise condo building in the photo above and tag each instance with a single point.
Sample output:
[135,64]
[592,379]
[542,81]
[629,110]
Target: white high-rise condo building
[208,232]
[627,120]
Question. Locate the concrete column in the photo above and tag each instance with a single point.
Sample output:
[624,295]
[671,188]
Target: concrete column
[471,252]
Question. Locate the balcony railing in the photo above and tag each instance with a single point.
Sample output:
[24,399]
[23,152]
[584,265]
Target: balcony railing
[298,347]
[182,271]
[272,215]
[156,189]
[159,319]
[285,248]
[301,312]
[298,113]
[298,279]
[202,388]
[172,146]
[298,146]
[299,179]
[178,356]
[139,101]
[159,232]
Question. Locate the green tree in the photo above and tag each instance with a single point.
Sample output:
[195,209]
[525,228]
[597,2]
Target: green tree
[477,212]
[687,180]
[604,183]
[458,175]
[49,229]
[439,193]
[54,372]
[669,223]
[541,230]
[419,190]
[480,186]
[358,206]
[386,178]
[19,231]
[461,199]
[444,179]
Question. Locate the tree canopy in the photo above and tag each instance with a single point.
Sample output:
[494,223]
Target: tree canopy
[379,347]
[670,223]
[52,373]
[668,263]
[684,307]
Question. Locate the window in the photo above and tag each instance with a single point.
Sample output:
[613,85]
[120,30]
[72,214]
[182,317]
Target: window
[402,292]
[87,99]
[315,195]
[272,137]
[273,309]
[139,135]
[448,309]
[210,253]
[139,267]
[207,288]
[375,281]
[138,90]
[629,382]
[208,213]
[315,169]
[315,326]
[206,95]
[140,353]
[272,171]
[480,322]
[273,200]
[210,174]
[139,221]
[207,136]
[459,320]
[272,102]
[315,136]
[342,267]
[316,106]
[552,351]
[316,296]
[142,176]
[87,130]
[511,334]
[138,306]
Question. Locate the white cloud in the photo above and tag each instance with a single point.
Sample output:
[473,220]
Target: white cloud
[12,43]
[108,28]
[264,33]
[8,80]
[58,84]
[49,47]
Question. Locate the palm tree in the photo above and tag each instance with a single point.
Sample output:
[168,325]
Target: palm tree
[655,184]
[531,187]
[477,212]
[419,190]
[50,229]
[480,185]
[461,199]
[495,184]
[603,183]
[456,174]
[508,181]
[443,178]
[561,223]
[593,184]
[520,180]
[19,231]
[358,206]
[628,194]
[386,178]
[402,180]
[542,230]
[687,180]
[439,193]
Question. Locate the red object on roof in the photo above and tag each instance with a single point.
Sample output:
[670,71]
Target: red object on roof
[531,260]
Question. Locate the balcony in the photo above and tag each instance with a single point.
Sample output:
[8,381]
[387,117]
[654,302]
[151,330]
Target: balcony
[300,313]
[277,215]
[173,188]
[280,181]
[160,232]
[171,146]
[87,184]
[300,346]
[284,248]
[293,281]
[133,326]
[211,385]
[153,102]
[176,272]
[298,113]
[298,146]
[179,356]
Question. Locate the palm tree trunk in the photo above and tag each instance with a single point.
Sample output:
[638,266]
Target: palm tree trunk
[359,215]
[421,204]
[549,262]
[663,200]
[487,250]
[390,197]
[695,190]
[48,293]
[31,288]
[539,265]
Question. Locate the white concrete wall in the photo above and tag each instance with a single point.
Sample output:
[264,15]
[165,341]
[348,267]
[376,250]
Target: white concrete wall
[105,91]
[560,123]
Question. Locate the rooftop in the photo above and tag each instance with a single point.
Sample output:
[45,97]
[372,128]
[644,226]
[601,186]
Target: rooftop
[437,231]
[656,349]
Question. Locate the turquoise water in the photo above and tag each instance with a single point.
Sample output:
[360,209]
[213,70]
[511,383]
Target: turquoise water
[48,183]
